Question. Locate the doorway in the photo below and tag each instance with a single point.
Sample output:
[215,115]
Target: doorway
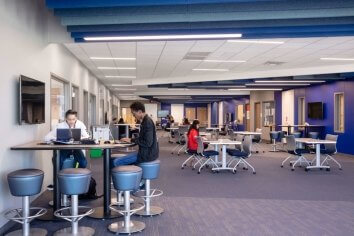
[202,115]
[257,115]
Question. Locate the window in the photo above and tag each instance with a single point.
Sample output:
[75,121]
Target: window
[301,111]
[339,112]
[239,114]
[75,98]
[268,113]
[59,102]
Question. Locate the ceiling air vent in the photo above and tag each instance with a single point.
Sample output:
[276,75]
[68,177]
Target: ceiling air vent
[196,55]
[273,63]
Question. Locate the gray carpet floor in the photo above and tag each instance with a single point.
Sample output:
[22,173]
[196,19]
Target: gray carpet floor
[275,201]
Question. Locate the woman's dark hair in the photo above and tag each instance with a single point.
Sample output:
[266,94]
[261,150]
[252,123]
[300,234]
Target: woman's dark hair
[193,126]
[185,121]
[137,106]
[70,112]
[121,121]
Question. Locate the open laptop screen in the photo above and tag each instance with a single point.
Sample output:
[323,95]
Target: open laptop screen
[67,134]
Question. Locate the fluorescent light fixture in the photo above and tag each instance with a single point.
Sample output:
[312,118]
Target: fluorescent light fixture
[217,86]
[125,89]
[219,61]
[289,81]
[270,84]
[177,89]
[336,59]
[115,68]
[121,85]
[163,37]
[121,76]
[254,41]
[256,89]
[206,69]
[114,58]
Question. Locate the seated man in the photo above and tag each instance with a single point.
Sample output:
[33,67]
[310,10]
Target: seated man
[70,122]
[146,140]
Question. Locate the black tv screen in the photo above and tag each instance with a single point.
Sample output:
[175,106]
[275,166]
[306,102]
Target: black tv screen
[315,110]
[162,113]
[32,101]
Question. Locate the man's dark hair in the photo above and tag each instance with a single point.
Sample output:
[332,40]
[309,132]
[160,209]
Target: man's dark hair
[137,106]
[70,112]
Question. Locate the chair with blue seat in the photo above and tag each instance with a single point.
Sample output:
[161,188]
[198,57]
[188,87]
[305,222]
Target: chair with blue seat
[25,183]
[274,136]
[126,179]
[205,154]
[239,138]
[74,181]
[194,157]
[297,134]
[180,137]
[257,139]
[330,150]
[294,152]
[150,171]
[241,156]
[185,145]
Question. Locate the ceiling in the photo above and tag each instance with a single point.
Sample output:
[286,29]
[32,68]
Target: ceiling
[280,39]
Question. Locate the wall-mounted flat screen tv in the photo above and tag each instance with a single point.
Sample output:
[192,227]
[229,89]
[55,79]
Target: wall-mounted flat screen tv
[162,113]
[315,110]
[31,101]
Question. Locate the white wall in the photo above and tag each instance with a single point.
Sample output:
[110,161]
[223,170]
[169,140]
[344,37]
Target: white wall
[287,108]
[26,27]
[151,110]
[177,111]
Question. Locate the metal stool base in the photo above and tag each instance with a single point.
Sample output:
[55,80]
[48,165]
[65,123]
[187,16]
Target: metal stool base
[154,210]
[33,231]
[135,226]
[82,231]
[99,214]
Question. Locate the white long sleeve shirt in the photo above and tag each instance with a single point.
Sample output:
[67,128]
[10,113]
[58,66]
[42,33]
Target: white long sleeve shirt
[52,135]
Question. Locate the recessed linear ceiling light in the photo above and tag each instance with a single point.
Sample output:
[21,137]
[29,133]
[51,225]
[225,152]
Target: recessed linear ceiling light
[336,59]
[289,81]
[254,41]
[211,69]
[217,86]
[217,61]
[256,89]
[120,76]
[270,84]
[177,89]
[164,37]
[121,85]
[116,68]
[114,58]
[125,89]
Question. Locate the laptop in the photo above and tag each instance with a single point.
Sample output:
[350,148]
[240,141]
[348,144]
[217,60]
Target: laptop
[68,135]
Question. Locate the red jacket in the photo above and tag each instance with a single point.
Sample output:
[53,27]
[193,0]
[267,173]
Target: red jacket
[192,141]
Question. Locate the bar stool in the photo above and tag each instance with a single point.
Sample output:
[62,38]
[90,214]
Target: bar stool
[119,159]
[74,181]
[150,171]
[314,135]
[297,134]
[127,179]
[274,135]
[25,183]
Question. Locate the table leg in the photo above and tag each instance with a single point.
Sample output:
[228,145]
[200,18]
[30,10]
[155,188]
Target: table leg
[127,131]
[216,157]
[49,216]
[105,212]
[289,130]
[318,159]
[223,156]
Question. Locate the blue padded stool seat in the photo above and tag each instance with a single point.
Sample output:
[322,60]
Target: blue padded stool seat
[150,169]
[126,178]
[237,153]
[210,153]
[274,135]
[297,134]
[25,182]
[74,181]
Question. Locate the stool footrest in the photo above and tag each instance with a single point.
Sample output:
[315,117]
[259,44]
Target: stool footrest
[120,209]
[153,193]
[73,218]
[17,214]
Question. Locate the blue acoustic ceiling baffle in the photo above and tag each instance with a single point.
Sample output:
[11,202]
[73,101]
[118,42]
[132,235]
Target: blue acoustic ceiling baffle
[251,18]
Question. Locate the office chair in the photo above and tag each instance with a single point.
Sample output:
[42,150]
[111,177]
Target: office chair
[257,139]
[330,150]
[180,137]
[241,156]
[294,152]
[208,154]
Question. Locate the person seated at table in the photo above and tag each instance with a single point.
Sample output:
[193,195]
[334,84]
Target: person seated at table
[71,122]
[146,140]
[185,121]
[193,132]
